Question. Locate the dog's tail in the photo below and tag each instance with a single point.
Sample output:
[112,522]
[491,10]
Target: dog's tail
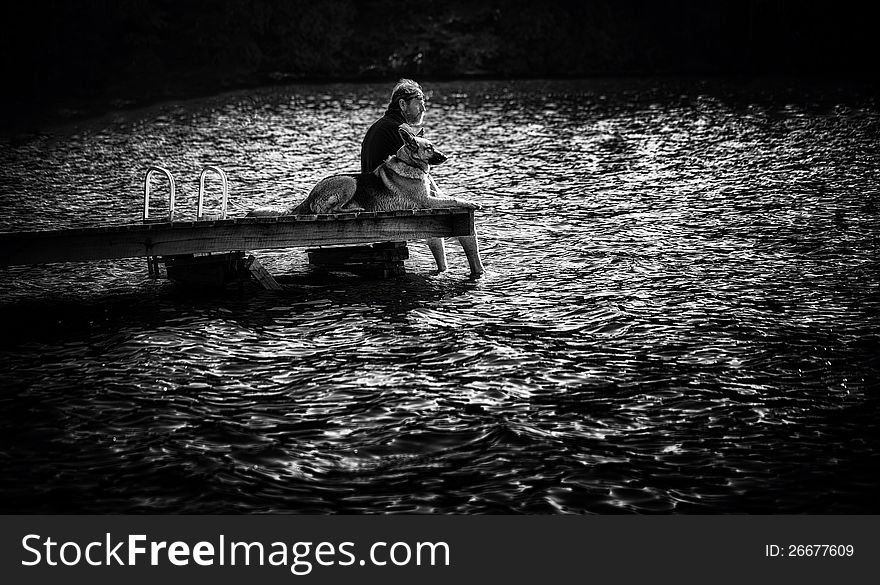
[265,212]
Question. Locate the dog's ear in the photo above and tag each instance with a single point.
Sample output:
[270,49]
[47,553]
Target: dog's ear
[408,139]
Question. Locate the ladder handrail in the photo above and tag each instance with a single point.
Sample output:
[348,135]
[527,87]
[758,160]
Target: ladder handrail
[225,187]
[147,177]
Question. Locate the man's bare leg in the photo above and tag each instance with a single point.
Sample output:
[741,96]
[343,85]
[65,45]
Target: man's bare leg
[438,249]
[472,251]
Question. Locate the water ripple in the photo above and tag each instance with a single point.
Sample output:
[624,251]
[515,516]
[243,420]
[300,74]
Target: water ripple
[680,313]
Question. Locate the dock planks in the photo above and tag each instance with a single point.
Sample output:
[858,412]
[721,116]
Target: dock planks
[246,233]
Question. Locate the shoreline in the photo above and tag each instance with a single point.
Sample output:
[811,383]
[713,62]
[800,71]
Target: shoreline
[57,116]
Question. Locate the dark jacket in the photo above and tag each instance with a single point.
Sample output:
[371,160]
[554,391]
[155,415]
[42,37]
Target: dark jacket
[382,140]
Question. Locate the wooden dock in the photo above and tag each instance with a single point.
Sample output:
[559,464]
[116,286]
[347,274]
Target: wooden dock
[151,239]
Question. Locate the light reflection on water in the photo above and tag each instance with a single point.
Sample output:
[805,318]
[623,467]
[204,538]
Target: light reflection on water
[680,313]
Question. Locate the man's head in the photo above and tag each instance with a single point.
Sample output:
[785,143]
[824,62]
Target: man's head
[408,96]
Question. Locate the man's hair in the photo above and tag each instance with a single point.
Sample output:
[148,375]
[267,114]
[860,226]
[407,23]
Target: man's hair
[406,89]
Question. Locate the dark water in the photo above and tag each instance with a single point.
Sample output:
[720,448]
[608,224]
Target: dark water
[680,313]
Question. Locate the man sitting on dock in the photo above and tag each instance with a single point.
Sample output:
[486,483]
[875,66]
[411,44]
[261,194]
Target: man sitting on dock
[406,106]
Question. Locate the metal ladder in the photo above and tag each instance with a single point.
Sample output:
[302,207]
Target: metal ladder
[153,261]
[170,178]
[200,215]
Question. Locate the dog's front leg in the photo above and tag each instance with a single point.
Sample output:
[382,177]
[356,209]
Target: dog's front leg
[438,249]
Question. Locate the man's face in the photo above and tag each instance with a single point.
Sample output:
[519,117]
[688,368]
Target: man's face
[414,110]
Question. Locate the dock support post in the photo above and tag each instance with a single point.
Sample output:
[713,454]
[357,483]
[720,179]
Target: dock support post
[153,266]
[383,259]
[261,274]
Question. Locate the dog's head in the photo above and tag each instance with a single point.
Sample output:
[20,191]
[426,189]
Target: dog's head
[420,149]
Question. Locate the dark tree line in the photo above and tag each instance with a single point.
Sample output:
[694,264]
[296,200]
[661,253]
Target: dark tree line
[57,50]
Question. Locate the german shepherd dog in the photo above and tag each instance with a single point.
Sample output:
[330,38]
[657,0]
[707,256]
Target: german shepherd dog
[403,181]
